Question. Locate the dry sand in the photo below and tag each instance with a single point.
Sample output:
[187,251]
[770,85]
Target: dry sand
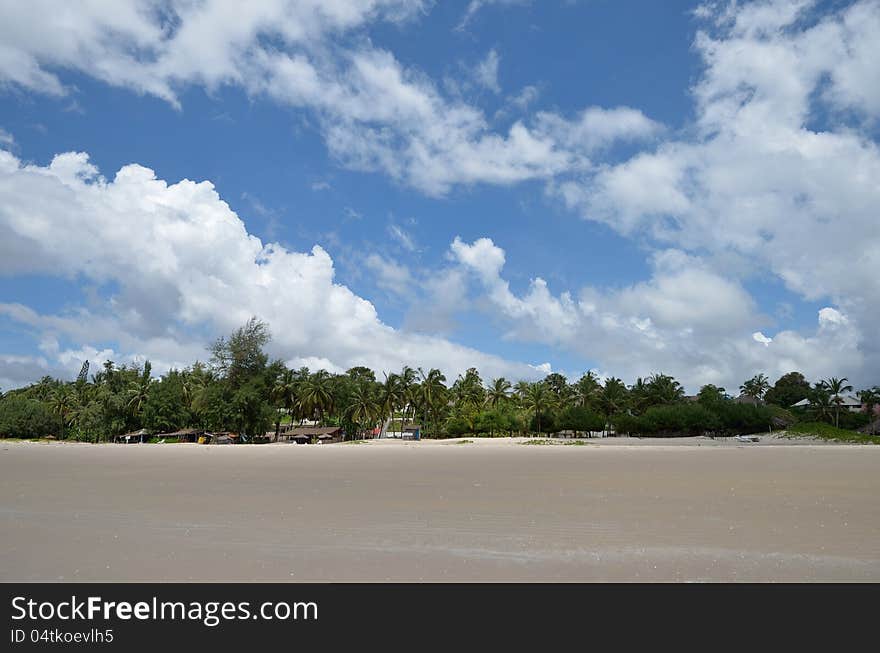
[441,511]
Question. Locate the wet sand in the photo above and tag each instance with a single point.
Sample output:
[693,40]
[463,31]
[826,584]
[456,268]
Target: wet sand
[493,510]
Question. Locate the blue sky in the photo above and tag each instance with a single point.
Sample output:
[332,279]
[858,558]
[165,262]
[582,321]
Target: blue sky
[630,187]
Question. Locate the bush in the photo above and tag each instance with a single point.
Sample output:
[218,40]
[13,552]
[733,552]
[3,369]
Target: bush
[25,418]
[853,421]
[580,418]
[676,420]
[456,426]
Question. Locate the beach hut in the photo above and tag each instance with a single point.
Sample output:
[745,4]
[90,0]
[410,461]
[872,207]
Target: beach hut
[412,432]
[184,435]
[135,437]
[222,437]
[309,434]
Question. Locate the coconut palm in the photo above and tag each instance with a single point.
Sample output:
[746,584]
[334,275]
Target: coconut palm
[362,409]
[835,388]
[613,398]
[468,390]
[663,389]
[756,387]
[392,396]
[317,394]
[586,390]
[432,393]
[870,398]
[408,379]
[499,392]
[822,407]
[139,391]
[537,399]
[285,395]
[62,402]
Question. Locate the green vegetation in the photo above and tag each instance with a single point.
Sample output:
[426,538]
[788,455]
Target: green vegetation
[239,389]
[829,432]
[25,418]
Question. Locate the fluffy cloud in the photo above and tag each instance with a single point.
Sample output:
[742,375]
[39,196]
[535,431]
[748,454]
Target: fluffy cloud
[375,114]
[153,45]
[182,268]
[597,128]
[780,168]
[686,320]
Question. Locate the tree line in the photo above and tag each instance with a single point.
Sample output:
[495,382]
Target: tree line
[240,390]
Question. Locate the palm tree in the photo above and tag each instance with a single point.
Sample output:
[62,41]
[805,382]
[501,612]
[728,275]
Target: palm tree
[586,390]
[393,395]
[468,390]
[821,406]
[835,388]
[139,391]
[363,408]
[284,392]
[317,394]
[613,398]
[537,399]
[663,389]
[499,392]
[432,392]
[870,398]
[407,380]
[62,402]
[756,387]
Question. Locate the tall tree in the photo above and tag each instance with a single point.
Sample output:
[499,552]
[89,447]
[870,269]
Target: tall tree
[538,398]
[62,402]
[363,409]
[432,395]
[499,392]
[139,391]
[240,356]
[613,398]
[788,390]
[317,395]
[755,387]
[837,387]
[586,389]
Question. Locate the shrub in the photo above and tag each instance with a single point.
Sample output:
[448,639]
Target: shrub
[671,420]
[457,426]
[25,418]
[579,418]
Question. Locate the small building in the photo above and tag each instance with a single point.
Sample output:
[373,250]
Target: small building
[135,437]
[309,434]
[222,437]
[850,402]
[184,435]
[412,432]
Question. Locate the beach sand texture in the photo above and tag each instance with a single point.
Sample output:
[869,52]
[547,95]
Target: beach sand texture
[491,510]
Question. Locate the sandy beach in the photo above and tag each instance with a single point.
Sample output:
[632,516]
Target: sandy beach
[494,510]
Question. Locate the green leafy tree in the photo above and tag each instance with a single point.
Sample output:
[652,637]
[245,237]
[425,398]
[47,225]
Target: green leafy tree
[613,398]
[21,417]
[836,387]
[755,387]
[499,392]
[538,399]
[586,389]
[788,390]
[62,403]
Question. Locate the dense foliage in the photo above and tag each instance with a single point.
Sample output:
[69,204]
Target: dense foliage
[240,390]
